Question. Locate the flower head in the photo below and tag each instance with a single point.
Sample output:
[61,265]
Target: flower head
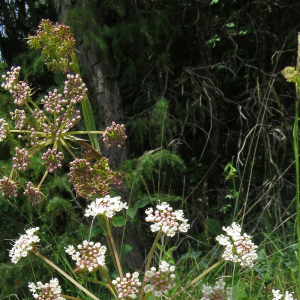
[161,281]
[52,159]
[21,159]
[3,129]
[218,292]
[114,134]
[89,257]
[8,187]
[239,247]
[57,43]
[167,220]
[105,206]
[51,290]
[278,296]
[128,288]
[33,194]
[24,244]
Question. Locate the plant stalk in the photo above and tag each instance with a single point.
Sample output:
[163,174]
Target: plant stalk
[149,262]
[296,150]
[37,253]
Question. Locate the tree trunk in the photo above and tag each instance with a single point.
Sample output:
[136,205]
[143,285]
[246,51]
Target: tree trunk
[100,77]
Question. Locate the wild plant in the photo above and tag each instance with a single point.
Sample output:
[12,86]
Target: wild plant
[50,130]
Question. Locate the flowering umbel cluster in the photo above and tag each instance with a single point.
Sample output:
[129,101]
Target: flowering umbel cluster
[106,206]
[47,291]
[52,159]
[114,134]
[278,296]
[91,177]
[167,220]
[128,288]
[24,244]
[89,257]
[161,281]
[21,159]
[218,292]
[57,43]
[8,187]
[34,196]
[239,247]
[3,129]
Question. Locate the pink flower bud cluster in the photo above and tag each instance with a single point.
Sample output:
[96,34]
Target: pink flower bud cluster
[217,292]
[89,257]
[52,159]
[54,102]
[11,78]
[8,187]
[105,206]
[75,89]
[21,159]
[19,117]
[167,220]
[128,288]
[33,194]
[114,134]
[48,291]
[239,248]
[3,129]
[90,178]
[57,43]
[161,281]
[20,92]
[24,244]
[278,296]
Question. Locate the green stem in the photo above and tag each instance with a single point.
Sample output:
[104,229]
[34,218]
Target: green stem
[296,150]
[37,253]
[41,182]
[112,287]
[197,279]
[149,262]
[27,131]
[114,251]
[83,132]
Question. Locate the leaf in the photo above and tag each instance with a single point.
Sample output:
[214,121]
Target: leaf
[89,121]
[125,249]
[119,221]
[160,247]
[95,232]
[213,2]
[58,78]
[143,202]
[136,222]
[132,211]
[230,24]
[214,226]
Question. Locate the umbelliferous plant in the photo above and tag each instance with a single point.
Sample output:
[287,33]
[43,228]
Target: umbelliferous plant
[47,130]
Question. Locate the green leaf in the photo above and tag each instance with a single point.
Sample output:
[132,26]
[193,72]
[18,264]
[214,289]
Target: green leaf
[125,249]
[160,247]
[136,222]
[119,221]
[213,2]
[230,24]
[143,202]
[132,211]
[214,226]
[58,78]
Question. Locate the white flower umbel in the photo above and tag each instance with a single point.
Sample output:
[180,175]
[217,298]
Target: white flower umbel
[218,292]
[278,296]
[161,281]
[167,220]
[105,206]
[24,244]
[239,247]
[128,288]
[89,257]
[46,291]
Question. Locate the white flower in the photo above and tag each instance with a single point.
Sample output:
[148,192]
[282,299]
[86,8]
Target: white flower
[206,289]
[167,220]
[148,288]
[105,206]
[288,296]
[238,248]
[50,290]
[24,244]
[276,294]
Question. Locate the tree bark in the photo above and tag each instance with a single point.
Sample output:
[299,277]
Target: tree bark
[100,75]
